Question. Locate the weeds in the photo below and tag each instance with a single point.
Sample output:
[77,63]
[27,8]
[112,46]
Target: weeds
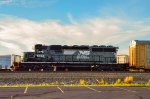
[118,81]
[127,81]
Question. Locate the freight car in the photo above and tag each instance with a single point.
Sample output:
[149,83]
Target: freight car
[139,55]
[9,62]
[76,57]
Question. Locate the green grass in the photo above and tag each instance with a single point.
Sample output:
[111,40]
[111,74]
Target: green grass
[78,85]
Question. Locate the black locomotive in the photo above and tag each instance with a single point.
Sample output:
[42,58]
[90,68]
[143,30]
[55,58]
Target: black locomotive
[71,58]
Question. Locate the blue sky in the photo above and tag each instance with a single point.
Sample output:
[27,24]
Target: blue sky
[110,22]
[58,9]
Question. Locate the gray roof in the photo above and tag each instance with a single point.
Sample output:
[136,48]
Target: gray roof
[142,41]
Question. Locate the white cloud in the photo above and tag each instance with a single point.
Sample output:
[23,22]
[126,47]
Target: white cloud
[17,35]
[71,19]
[2,2]
[28,3]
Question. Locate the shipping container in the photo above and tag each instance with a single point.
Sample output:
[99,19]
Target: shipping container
[139,54]
[121,59]
[8,61]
